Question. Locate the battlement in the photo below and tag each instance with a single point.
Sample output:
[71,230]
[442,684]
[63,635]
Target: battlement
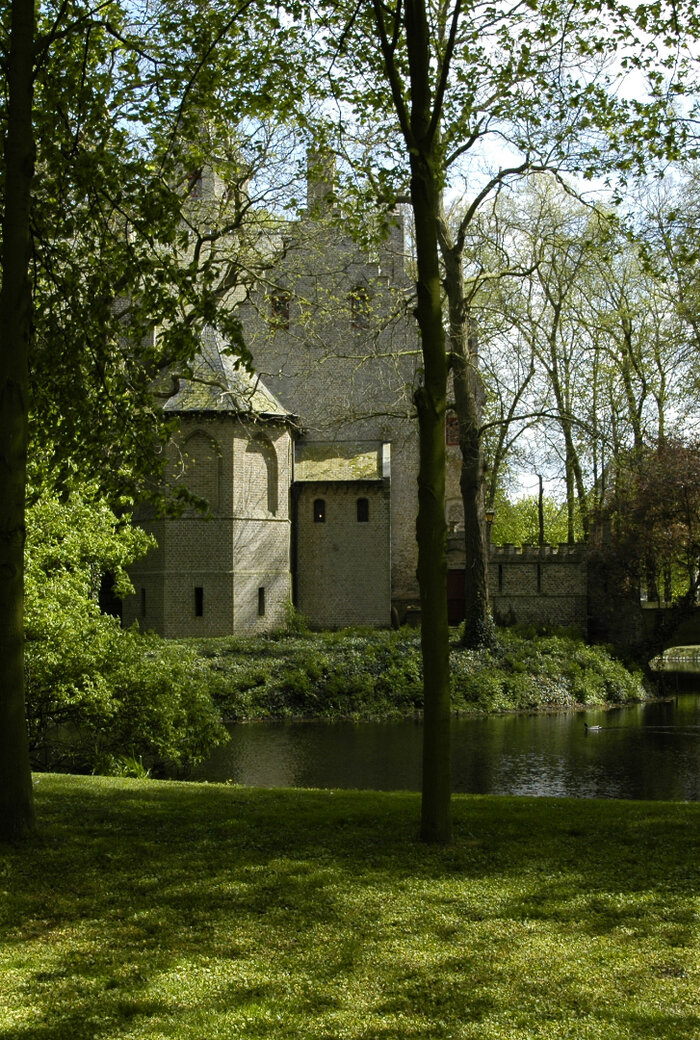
[533,553]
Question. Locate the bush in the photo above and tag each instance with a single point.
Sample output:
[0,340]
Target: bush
[378,674]
[95,694]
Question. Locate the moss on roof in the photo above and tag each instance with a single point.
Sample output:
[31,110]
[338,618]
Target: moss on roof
[216,383]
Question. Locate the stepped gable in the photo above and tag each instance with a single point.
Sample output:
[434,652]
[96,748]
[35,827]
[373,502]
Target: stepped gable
[215,383]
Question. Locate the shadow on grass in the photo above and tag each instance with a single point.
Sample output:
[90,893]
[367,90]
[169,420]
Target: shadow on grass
[178,910]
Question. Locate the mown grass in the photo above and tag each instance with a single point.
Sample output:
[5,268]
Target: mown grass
[164,910]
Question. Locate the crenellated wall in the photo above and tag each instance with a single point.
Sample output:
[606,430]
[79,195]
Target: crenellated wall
[545,585]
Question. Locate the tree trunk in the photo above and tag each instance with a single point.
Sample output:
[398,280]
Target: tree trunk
[431,528]
[16,796]
[431,401]
[468,394]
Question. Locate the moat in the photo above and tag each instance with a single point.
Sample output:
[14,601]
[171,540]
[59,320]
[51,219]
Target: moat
[645,751]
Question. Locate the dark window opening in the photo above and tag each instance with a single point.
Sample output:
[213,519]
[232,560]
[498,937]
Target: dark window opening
[360,307]
[194,184]
[198,601]
[319,510]
[143,602]
[261,601]
[451,429]
[279,309]
[362,510]
[539,577]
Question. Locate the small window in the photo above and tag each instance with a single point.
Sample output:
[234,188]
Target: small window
[143,602]
[360,307]
[451,429]
[319,510]
[279,309]
[261,601]
[194,184]
[539,577]
[198,601]
[363,510]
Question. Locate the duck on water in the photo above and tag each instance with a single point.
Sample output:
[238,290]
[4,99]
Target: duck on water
[592,729]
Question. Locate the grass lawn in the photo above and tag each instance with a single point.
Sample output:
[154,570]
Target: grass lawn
[156,910]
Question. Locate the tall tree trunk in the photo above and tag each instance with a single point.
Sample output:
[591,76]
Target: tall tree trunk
[431,528]
[16,797]
[431,401]
[468,395]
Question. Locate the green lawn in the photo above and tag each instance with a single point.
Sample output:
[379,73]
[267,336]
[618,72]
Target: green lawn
[157,910]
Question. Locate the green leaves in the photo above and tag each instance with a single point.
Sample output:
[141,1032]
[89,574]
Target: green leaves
[94,691]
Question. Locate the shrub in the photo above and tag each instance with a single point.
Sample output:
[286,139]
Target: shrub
[96,694]
[356,673]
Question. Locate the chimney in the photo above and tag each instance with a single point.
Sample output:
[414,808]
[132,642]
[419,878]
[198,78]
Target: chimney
[320,180]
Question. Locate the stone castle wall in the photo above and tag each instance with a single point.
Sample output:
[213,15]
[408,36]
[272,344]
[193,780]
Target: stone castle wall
[545,585]
[228,572]
[343,563]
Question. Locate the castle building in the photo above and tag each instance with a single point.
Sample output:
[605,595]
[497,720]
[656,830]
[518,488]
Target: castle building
[308,466]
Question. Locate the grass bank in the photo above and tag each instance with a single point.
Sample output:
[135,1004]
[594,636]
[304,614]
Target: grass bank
[370,673]
[151,910]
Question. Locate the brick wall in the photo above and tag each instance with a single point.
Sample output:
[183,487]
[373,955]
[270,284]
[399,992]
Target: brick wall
[541,586]
[343,565]
[546,586]
[230,572]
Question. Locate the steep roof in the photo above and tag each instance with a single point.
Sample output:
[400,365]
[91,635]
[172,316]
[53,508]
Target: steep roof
[215,384]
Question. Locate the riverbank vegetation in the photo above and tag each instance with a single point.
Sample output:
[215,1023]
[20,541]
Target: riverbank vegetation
[172,910]
[377,674]
[99,696]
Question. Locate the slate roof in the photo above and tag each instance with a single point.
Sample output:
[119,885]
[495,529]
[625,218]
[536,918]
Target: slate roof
[217,385]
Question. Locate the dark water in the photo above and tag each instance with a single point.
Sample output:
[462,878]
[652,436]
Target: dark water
[647,751]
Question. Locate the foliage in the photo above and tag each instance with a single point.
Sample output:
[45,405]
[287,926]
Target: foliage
[96,254]
[517,521]
[363,674]
[650,522]
[128,108]
[94,692]
[583,348]
[206,912]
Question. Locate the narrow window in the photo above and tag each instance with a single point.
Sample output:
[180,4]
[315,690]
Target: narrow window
[198,601]
[500,577]
[539,577]
[362,510]
[279,309]
[451,429]
[360,307]
[143,602]
[261,601]
[319,510]
[194,184]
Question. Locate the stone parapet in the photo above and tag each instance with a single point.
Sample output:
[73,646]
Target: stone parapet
[537,552]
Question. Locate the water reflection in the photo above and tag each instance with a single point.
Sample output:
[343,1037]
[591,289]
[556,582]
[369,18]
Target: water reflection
[646,751]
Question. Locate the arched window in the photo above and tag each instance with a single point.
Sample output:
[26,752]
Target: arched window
[362,510]
[194,183]
[202,463]
[279,308]
[360,308]
[264,455]
[319,510]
